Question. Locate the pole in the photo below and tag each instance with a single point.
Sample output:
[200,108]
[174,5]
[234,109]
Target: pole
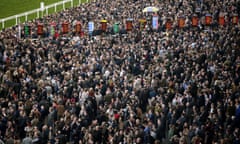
[26,16]
[42,7]
[38,14]
[19,29]
[63,5]
[16,19]
[3,24]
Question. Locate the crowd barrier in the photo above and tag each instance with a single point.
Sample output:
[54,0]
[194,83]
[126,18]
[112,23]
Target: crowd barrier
[39,12]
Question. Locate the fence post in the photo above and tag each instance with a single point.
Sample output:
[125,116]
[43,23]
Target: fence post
[26,16]
[16,19]
[55,7]
[40,11]
[47,10]
[38,14]
[3,24]
[63,5]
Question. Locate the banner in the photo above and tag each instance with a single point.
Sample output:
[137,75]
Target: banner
[208,19]
[143,23]
[194,21]
[78,27]
[27,30]
[221,20]
[129,24]
[40,29]
[116,28]
[155,22]
[54,28]
[90,27]
[103,25]
[181,22]
[168,24]
[65,27]
[235,19]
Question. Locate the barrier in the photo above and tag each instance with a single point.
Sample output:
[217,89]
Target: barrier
[39,11]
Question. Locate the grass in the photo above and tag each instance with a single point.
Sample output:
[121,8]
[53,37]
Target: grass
[13,7]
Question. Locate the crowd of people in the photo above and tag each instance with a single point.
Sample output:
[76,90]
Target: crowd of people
[140,86]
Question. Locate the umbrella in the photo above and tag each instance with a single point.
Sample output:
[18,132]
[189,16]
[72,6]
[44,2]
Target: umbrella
[103,21]
[150,9]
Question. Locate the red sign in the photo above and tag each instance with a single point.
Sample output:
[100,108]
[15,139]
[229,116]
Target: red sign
[129,24]
[40,29]
[65,27]
[221,20]
[208,19]
[103,26]
[235,19]
[78,27]
[194,21]
[168,24]
[181,22]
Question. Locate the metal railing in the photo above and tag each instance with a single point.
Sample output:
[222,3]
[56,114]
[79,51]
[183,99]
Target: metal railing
[38,11]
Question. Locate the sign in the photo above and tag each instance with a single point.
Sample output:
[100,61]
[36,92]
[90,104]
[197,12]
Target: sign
[65,27]
[116,28]
[129,24]
[181,22]
[155,22]
[168,24]
[221,20]
[194,21]
[143,23]
[235,19]
[27,30]
[40,29]
[208,19]
[103,25]
[78,27]
[90,27]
